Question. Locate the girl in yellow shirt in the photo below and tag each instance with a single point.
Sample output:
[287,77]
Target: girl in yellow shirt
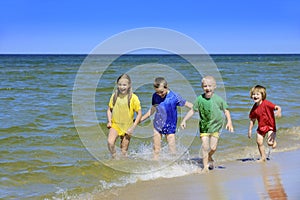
[120,115]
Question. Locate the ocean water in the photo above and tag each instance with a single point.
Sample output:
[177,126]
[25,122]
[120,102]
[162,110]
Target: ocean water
[53,118]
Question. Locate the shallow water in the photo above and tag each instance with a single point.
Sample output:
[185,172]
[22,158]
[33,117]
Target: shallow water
[46,153]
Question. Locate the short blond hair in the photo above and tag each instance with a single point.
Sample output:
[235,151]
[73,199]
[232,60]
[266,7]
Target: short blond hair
[211,78]
[259,89]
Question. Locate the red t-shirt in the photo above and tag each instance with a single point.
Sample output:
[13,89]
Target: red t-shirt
[264,113]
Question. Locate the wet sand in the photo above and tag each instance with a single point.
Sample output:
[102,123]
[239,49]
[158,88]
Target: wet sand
[278,178]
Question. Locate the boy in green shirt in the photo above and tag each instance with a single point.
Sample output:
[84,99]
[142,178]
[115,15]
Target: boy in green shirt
[211,108]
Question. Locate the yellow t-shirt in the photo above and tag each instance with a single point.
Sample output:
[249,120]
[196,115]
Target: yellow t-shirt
[122,115]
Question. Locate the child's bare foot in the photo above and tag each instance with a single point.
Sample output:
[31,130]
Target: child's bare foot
[155,156]
[205,170]
[261,160]
[210,165]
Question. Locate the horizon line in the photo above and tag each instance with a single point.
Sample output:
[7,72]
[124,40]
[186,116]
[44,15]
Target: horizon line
[146,54]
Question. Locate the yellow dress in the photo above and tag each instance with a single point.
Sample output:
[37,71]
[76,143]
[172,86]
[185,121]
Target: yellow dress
[122,115]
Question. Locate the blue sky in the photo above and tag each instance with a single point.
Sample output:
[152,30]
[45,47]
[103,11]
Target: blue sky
[65,26]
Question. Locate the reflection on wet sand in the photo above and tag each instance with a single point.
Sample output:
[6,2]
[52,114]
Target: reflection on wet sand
[213,186]
[272,182]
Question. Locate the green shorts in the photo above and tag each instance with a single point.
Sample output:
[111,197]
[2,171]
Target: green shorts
[215,134]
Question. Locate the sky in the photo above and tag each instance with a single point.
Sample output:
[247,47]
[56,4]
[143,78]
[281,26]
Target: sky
[220,27]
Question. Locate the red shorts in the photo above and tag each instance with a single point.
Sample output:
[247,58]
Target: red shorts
[264,130]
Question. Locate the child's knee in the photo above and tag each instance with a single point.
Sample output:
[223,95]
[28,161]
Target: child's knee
[110,142]
[270,143]
[205,148]
[213,149]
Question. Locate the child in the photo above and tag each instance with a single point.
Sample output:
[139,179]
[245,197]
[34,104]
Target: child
[263,112]
[120,113]
[164,102]
[211,108]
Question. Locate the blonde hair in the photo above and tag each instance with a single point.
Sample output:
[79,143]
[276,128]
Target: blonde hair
[116,94]
[211,78]
[259,89]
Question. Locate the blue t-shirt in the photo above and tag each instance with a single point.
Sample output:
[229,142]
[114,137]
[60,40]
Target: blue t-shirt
[165,119]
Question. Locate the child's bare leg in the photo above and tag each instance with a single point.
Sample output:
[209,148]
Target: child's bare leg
[125,140]
[205,149]
[111,140]
[260,145]
[271,139]
[171,143]
[213,147]
[156,144]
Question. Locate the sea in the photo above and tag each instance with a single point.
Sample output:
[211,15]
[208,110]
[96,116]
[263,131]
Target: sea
[53,118]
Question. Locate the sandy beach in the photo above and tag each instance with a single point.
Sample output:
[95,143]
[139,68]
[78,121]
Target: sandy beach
[278,178]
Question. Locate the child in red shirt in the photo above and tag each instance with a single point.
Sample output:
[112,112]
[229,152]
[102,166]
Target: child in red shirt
[263,112]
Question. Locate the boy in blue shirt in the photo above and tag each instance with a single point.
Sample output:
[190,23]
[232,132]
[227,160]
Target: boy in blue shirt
[164,103]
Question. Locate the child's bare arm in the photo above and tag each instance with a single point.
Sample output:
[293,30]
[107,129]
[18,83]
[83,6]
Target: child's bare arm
[251,124]
[148,114]
[277,111]
[188,104]
[229,126]
[138,118]
[109,115]
[188,115]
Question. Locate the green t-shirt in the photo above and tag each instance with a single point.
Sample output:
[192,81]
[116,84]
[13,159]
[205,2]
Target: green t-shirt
[211,113]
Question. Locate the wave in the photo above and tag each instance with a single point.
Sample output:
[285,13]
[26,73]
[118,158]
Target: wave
[145,169]
[30,127]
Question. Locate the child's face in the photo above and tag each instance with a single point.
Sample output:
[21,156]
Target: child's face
[257,97]
[209,87]
[161,91]
[123,86]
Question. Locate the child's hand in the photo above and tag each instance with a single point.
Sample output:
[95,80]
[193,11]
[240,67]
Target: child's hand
[277,114]
[108,125]
[249,134]
[183,124]
[229,127]
[277,111]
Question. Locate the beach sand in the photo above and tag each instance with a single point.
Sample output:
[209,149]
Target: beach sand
[278,178]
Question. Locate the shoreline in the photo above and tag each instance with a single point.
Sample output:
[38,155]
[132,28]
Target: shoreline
[277,178]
